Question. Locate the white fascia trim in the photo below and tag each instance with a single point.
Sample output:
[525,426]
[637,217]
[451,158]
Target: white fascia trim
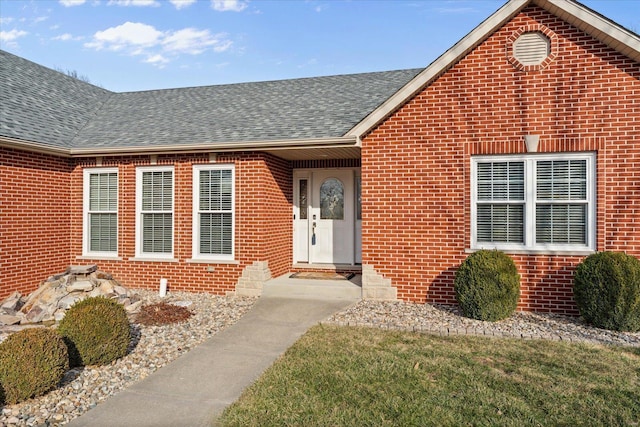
[437,67]
[603,29]
[220,147]
[34,147]
[597,25]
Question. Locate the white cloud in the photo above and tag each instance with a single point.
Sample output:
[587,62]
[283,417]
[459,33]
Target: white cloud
[66,37]
[130,35]
[157,60]
[180,4]
[229,5]
[194,42]
[133,3]
[70,3]
[40,19]
[11,36]
[157,47]
[6,20]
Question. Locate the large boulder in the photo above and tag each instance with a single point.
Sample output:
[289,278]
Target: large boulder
[59,292]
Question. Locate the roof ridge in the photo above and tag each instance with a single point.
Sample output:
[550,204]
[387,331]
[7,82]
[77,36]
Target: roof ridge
[399,70]
[52,70]
[90,118]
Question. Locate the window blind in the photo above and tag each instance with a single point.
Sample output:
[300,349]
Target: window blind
[157,211]
[561,201]
[500,194]
[216,211]
[103,212]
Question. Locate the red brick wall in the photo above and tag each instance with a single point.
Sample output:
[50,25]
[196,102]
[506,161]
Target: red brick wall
[263,222]
[34,219]
[274,203]
[416,164]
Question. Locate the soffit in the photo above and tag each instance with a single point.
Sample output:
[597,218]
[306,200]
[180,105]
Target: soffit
[317,153]
[596,25]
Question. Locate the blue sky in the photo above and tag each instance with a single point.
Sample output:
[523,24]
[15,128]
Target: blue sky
[128,45]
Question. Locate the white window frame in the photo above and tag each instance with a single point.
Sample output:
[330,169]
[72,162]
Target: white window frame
[140,254]
[196,213]
[86,213]
[529,244]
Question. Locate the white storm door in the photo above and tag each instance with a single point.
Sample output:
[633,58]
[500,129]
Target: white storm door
[332,217]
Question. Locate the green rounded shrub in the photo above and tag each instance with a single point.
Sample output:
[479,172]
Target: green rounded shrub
[32,362]
[487,285]
[96,331]
[607,290]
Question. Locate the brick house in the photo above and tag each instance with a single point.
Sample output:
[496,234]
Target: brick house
[524,136]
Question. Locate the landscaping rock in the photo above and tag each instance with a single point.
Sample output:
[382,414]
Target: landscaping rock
[6,319]
[61,291]
[84,286]
[152,347]
[12,303]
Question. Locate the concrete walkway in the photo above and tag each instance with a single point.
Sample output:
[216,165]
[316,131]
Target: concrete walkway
[195,388]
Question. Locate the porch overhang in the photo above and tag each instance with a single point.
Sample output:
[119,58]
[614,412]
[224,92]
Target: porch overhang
[292,149]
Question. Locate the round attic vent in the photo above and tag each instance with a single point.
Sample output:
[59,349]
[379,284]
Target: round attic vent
[531,48]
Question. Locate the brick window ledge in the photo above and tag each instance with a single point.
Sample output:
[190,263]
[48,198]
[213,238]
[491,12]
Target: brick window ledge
[212,261]
[99,257]
[585,252]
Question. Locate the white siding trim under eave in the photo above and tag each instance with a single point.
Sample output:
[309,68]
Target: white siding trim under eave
[594,24]
[345,141]
[340,143]
[33,147]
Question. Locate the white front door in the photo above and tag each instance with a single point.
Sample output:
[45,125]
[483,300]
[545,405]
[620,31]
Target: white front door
[324,216]
[332,217]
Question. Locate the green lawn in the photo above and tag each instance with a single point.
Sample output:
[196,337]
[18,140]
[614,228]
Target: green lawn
[335,376]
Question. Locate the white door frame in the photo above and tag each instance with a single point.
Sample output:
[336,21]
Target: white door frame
[303,230]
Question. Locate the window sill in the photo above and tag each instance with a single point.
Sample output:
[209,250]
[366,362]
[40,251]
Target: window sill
[150,259]
[100,257]
[212,261]
[569,252]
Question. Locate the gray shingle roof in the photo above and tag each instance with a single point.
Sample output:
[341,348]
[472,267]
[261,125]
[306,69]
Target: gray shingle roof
[48,107]
[38,104]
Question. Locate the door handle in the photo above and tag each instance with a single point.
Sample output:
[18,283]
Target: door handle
[313,233]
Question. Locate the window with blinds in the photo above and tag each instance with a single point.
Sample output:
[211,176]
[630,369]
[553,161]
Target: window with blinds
[214,211]
[101,211]
[155,211]
[500,202]
[561,202]
[544,202]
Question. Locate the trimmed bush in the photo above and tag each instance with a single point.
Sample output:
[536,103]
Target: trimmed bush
[607,291]
[32,362]
[96,331]
[487,286]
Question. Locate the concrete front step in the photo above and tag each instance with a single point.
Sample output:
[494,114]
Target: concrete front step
[285,287]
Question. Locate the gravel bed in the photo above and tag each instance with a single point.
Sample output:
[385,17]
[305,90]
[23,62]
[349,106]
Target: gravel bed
[155,346]
[152,347]
[447,320]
